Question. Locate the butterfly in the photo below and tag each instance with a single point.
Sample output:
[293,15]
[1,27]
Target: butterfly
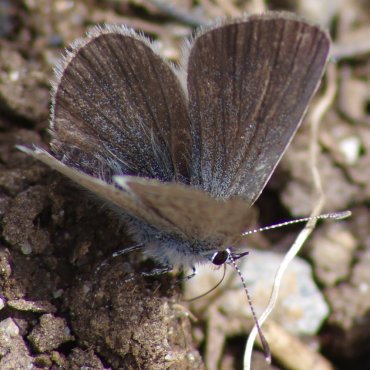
[183,152]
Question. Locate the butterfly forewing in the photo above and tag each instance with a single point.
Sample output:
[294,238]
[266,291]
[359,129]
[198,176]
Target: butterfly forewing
[249,83]
[119,108]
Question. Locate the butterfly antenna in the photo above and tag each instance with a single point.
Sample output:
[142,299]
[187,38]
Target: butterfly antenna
[265,346]
[334,216]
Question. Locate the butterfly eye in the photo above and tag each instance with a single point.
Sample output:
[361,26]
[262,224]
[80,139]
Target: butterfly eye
[219,258]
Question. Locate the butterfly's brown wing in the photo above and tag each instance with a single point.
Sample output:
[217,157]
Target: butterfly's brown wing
[119,108]
[122,200]
[195,213]
[171,208]
[249,84]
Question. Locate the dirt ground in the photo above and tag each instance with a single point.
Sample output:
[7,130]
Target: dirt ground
[61,308]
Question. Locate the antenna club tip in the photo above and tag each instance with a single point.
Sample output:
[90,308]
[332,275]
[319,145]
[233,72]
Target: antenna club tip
[342,215]
[268,359]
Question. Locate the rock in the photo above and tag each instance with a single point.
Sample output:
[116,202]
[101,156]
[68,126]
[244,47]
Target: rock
[50,333]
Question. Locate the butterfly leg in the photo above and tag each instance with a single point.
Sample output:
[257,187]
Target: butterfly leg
[190,276]
[157,271]
[168,268]
[153,272]
[119,253]
[127,250]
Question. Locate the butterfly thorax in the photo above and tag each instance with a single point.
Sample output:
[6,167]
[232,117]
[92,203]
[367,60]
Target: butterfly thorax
[174,250]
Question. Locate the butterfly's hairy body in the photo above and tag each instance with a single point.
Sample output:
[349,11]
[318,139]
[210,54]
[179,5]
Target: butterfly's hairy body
[170,249]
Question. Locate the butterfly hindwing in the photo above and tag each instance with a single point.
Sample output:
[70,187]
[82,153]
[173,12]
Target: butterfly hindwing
[121,200]
[196,214]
